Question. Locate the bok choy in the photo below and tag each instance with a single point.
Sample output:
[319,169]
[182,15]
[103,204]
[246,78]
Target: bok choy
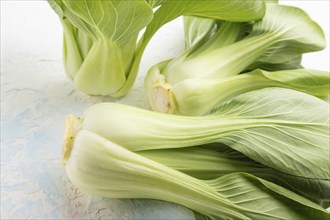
[208,72]
[100,167]
[282,129]
[215,160]
[101,49]
[99,41]
[199,96]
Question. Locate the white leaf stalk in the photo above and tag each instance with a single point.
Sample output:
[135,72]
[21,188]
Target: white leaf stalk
[103,168]
[100,167]
[252,123]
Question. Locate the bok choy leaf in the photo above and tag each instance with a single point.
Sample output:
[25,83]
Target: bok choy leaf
[103,168]
[199,96]
[215,160]
[289,133]
[101,41]
[178,85]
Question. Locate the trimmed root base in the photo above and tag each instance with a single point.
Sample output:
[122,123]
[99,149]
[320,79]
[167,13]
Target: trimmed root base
[71,125]
[162,99]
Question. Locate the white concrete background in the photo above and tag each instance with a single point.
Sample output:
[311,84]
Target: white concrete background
[35,98]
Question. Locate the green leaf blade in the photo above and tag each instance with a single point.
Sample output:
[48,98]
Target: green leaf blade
[300,35]
[297,143]
[273,201]
[117,20]
[222,10]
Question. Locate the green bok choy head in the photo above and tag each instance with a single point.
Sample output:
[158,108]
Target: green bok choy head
[283,129]
[207,73]
[100,167]
[199,96]
[101,48]
[100,41]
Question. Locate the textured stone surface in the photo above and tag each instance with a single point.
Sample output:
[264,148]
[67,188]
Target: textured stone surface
[35,98]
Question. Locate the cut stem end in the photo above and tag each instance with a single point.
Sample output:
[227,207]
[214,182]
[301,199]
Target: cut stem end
[162,99]
[71,124]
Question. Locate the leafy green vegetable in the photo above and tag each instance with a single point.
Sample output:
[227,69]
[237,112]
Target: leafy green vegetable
[180,85]
[289,134]
[215,160]
[199,96]
[101,167]
[101,48]
[99,41]
[123,152]
[234,10]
